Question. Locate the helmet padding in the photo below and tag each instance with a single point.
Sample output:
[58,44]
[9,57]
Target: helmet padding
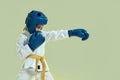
[34,18]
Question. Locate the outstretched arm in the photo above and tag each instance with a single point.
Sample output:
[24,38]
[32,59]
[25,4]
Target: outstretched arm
[56,35]
[61,34]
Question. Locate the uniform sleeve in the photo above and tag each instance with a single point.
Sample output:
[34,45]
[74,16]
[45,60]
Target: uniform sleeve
[56,35]
[23,49]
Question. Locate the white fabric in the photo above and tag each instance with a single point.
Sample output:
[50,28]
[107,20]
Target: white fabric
[29,74]
[23,49]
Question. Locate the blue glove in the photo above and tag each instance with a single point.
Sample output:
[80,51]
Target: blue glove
[36,40]
[79,33]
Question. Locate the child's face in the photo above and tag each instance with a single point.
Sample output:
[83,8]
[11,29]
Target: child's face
[39,27]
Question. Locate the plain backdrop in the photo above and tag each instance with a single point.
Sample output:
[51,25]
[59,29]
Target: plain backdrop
[98,58]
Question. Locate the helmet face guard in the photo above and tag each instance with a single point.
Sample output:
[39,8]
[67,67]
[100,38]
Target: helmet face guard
[34,18]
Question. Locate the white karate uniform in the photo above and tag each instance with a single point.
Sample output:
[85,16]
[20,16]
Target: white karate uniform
[23,50]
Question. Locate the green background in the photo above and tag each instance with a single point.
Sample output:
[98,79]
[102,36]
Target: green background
[98,58]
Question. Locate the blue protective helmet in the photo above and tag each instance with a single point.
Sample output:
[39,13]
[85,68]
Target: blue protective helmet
[34,18]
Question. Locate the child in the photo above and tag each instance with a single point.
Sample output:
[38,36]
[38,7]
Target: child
[31,43]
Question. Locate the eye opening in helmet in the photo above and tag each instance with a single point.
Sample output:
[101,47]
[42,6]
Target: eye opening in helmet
[39,14]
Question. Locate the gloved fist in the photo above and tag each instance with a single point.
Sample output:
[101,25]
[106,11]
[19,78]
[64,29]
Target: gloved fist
[82,33]
[36,40]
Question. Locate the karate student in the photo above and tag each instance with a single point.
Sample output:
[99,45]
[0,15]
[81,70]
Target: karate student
[31,45]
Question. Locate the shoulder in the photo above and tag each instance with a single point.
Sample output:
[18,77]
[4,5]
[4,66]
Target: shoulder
[27,34]
[24,35]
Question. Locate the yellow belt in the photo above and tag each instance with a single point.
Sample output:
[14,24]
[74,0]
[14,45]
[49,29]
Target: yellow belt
[39,58]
